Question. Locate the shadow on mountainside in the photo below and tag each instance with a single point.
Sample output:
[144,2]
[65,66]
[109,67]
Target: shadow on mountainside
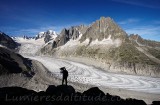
[8,64]
[11,62]
[62,95]
[28,64]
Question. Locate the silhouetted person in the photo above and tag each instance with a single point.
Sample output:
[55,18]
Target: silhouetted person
[65,75]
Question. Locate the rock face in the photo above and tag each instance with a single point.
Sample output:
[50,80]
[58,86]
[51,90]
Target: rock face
[102,29]
[71,33]
[143,42]
[107,46]
[15,70]
[66,34]
[6,41]
[11,62]
[148,47]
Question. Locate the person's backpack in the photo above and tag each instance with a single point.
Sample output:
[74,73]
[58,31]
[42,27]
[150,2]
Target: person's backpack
[66,73]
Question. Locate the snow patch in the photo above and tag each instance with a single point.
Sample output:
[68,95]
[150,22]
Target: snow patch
[108,41]
[49,32]
[40,34]
[2,46]
[86,42]
[53,36]
[75,42]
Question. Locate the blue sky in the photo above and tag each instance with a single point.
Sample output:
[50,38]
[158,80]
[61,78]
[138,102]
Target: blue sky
[28,17]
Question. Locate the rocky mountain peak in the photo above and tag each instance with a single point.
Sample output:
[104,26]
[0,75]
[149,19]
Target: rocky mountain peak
[64,31]
[134,36]
[71,33]
[102,29]
[48,35]
[143,42]
[44,34]
[105,19]
[51,32]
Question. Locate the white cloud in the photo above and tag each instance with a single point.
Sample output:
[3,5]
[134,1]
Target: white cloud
[148,32]
[128,21]
[33,30]
[146,3]
[134,26]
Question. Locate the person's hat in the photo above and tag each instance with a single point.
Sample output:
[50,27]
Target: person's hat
[62,68]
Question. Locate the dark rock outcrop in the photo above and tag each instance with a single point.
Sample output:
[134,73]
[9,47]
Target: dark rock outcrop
[62,95]
[156,103]
[63,38]
[7,41]
[11,62]
[95,91]
[47,38]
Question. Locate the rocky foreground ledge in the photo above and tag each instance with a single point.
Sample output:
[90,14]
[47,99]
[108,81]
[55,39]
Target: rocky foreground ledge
[63,95]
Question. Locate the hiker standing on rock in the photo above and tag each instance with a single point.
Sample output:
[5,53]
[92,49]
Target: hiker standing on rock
[65,75]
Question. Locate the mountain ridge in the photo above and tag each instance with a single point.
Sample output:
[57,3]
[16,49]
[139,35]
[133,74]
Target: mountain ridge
[7,41]
[105,42]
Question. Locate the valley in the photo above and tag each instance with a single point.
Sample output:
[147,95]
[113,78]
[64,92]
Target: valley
[100,55]
[81,73]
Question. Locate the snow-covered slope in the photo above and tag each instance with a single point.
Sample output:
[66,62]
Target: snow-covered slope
[29,46]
